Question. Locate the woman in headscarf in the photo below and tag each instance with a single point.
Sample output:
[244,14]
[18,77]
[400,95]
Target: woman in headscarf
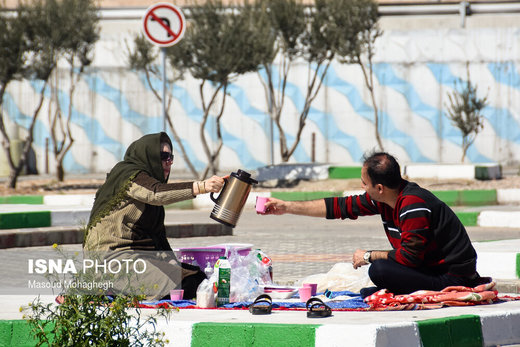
[126,225]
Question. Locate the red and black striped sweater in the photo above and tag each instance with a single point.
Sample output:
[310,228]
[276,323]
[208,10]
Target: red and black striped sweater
[423,231]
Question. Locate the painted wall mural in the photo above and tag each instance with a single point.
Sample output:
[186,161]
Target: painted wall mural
[414,72]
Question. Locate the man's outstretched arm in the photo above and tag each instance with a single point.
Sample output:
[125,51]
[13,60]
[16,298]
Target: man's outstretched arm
[312,208]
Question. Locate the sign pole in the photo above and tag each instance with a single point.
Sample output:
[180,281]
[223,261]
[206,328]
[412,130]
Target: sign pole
[163,25]
[165,114]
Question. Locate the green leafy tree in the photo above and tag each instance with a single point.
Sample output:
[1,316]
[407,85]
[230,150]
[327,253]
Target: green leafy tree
[220,44]
[143,57]
[79,26]
[39,35]
[360,30]
[43,35]
[464,110]
[14,50]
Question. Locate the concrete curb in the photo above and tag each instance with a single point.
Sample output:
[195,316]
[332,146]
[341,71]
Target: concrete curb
[464,330]
[499,259]
[63,210]
[32,237]
[451,197]
[457,171]
[486,329]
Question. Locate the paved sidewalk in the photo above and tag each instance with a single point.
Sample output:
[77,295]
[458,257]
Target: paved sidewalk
[305,246]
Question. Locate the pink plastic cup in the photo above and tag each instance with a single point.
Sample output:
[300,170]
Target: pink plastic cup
[313,286]
[305,293]
[176,294]
[260,204]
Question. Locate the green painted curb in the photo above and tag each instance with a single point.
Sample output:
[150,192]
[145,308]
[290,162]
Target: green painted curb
[22,199]
[517,265]
[298,196]
[468,219]
[253,334]
[459,331]
[17,333]
[181,205]
[17,220]
[345,172]
[467,197]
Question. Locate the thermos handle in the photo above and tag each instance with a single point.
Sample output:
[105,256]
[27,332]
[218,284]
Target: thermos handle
[224,186]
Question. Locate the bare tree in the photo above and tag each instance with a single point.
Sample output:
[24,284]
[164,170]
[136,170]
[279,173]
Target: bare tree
[360,31]
[464,112]
[220,44]
[316,35]
[289,24]
[143,58]
[78,20]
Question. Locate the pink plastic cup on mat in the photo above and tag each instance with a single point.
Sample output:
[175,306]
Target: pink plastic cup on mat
[313,286]
[176,294]
[305,293]
[260,204]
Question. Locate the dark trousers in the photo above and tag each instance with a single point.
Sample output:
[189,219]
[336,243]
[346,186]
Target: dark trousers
[400,279]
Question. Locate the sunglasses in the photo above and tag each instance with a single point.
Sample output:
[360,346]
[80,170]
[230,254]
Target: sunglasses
[165,156]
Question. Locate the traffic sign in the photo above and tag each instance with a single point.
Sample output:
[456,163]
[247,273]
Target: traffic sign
[163,24]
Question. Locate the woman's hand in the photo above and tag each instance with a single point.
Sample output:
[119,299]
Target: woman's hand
[212,185]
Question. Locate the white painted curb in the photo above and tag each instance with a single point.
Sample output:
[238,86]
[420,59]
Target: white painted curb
[77,216]
[497,265]
[439,171]
[500,329]
[497,329]
[506,219]
[69,200]
[508,196]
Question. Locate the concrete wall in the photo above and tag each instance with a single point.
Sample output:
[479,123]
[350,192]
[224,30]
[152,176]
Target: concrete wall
[418,60]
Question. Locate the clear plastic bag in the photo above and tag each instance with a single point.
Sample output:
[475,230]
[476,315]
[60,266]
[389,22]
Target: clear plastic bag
[342,276]
[206,297]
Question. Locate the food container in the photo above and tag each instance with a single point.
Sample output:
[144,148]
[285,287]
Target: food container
[200,256]
[277,292]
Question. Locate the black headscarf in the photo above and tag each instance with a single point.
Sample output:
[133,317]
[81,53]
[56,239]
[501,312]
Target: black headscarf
[141,155]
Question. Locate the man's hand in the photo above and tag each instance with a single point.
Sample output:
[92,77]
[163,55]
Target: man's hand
[276,206]
[313,208]
[357,258]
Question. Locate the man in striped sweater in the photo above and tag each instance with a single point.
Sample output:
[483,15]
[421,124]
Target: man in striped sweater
[430,247]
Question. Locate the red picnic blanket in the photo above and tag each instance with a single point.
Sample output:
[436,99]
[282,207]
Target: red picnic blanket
[383,300]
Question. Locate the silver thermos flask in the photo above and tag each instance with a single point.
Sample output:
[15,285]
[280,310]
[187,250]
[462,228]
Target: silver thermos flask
[232,198]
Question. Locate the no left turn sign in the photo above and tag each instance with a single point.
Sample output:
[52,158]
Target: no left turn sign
[163,24]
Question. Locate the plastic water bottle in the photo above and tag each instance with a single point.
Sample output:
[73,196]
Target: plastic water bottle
[224,280]
[208,270]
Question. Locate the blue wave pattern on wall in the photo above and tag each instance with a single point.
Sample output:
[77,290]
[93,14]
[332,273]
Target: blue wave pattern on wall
[504,123]
[92,128]
[325,122]
[389,129]
[40,132]
[443,75]
[233,141]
